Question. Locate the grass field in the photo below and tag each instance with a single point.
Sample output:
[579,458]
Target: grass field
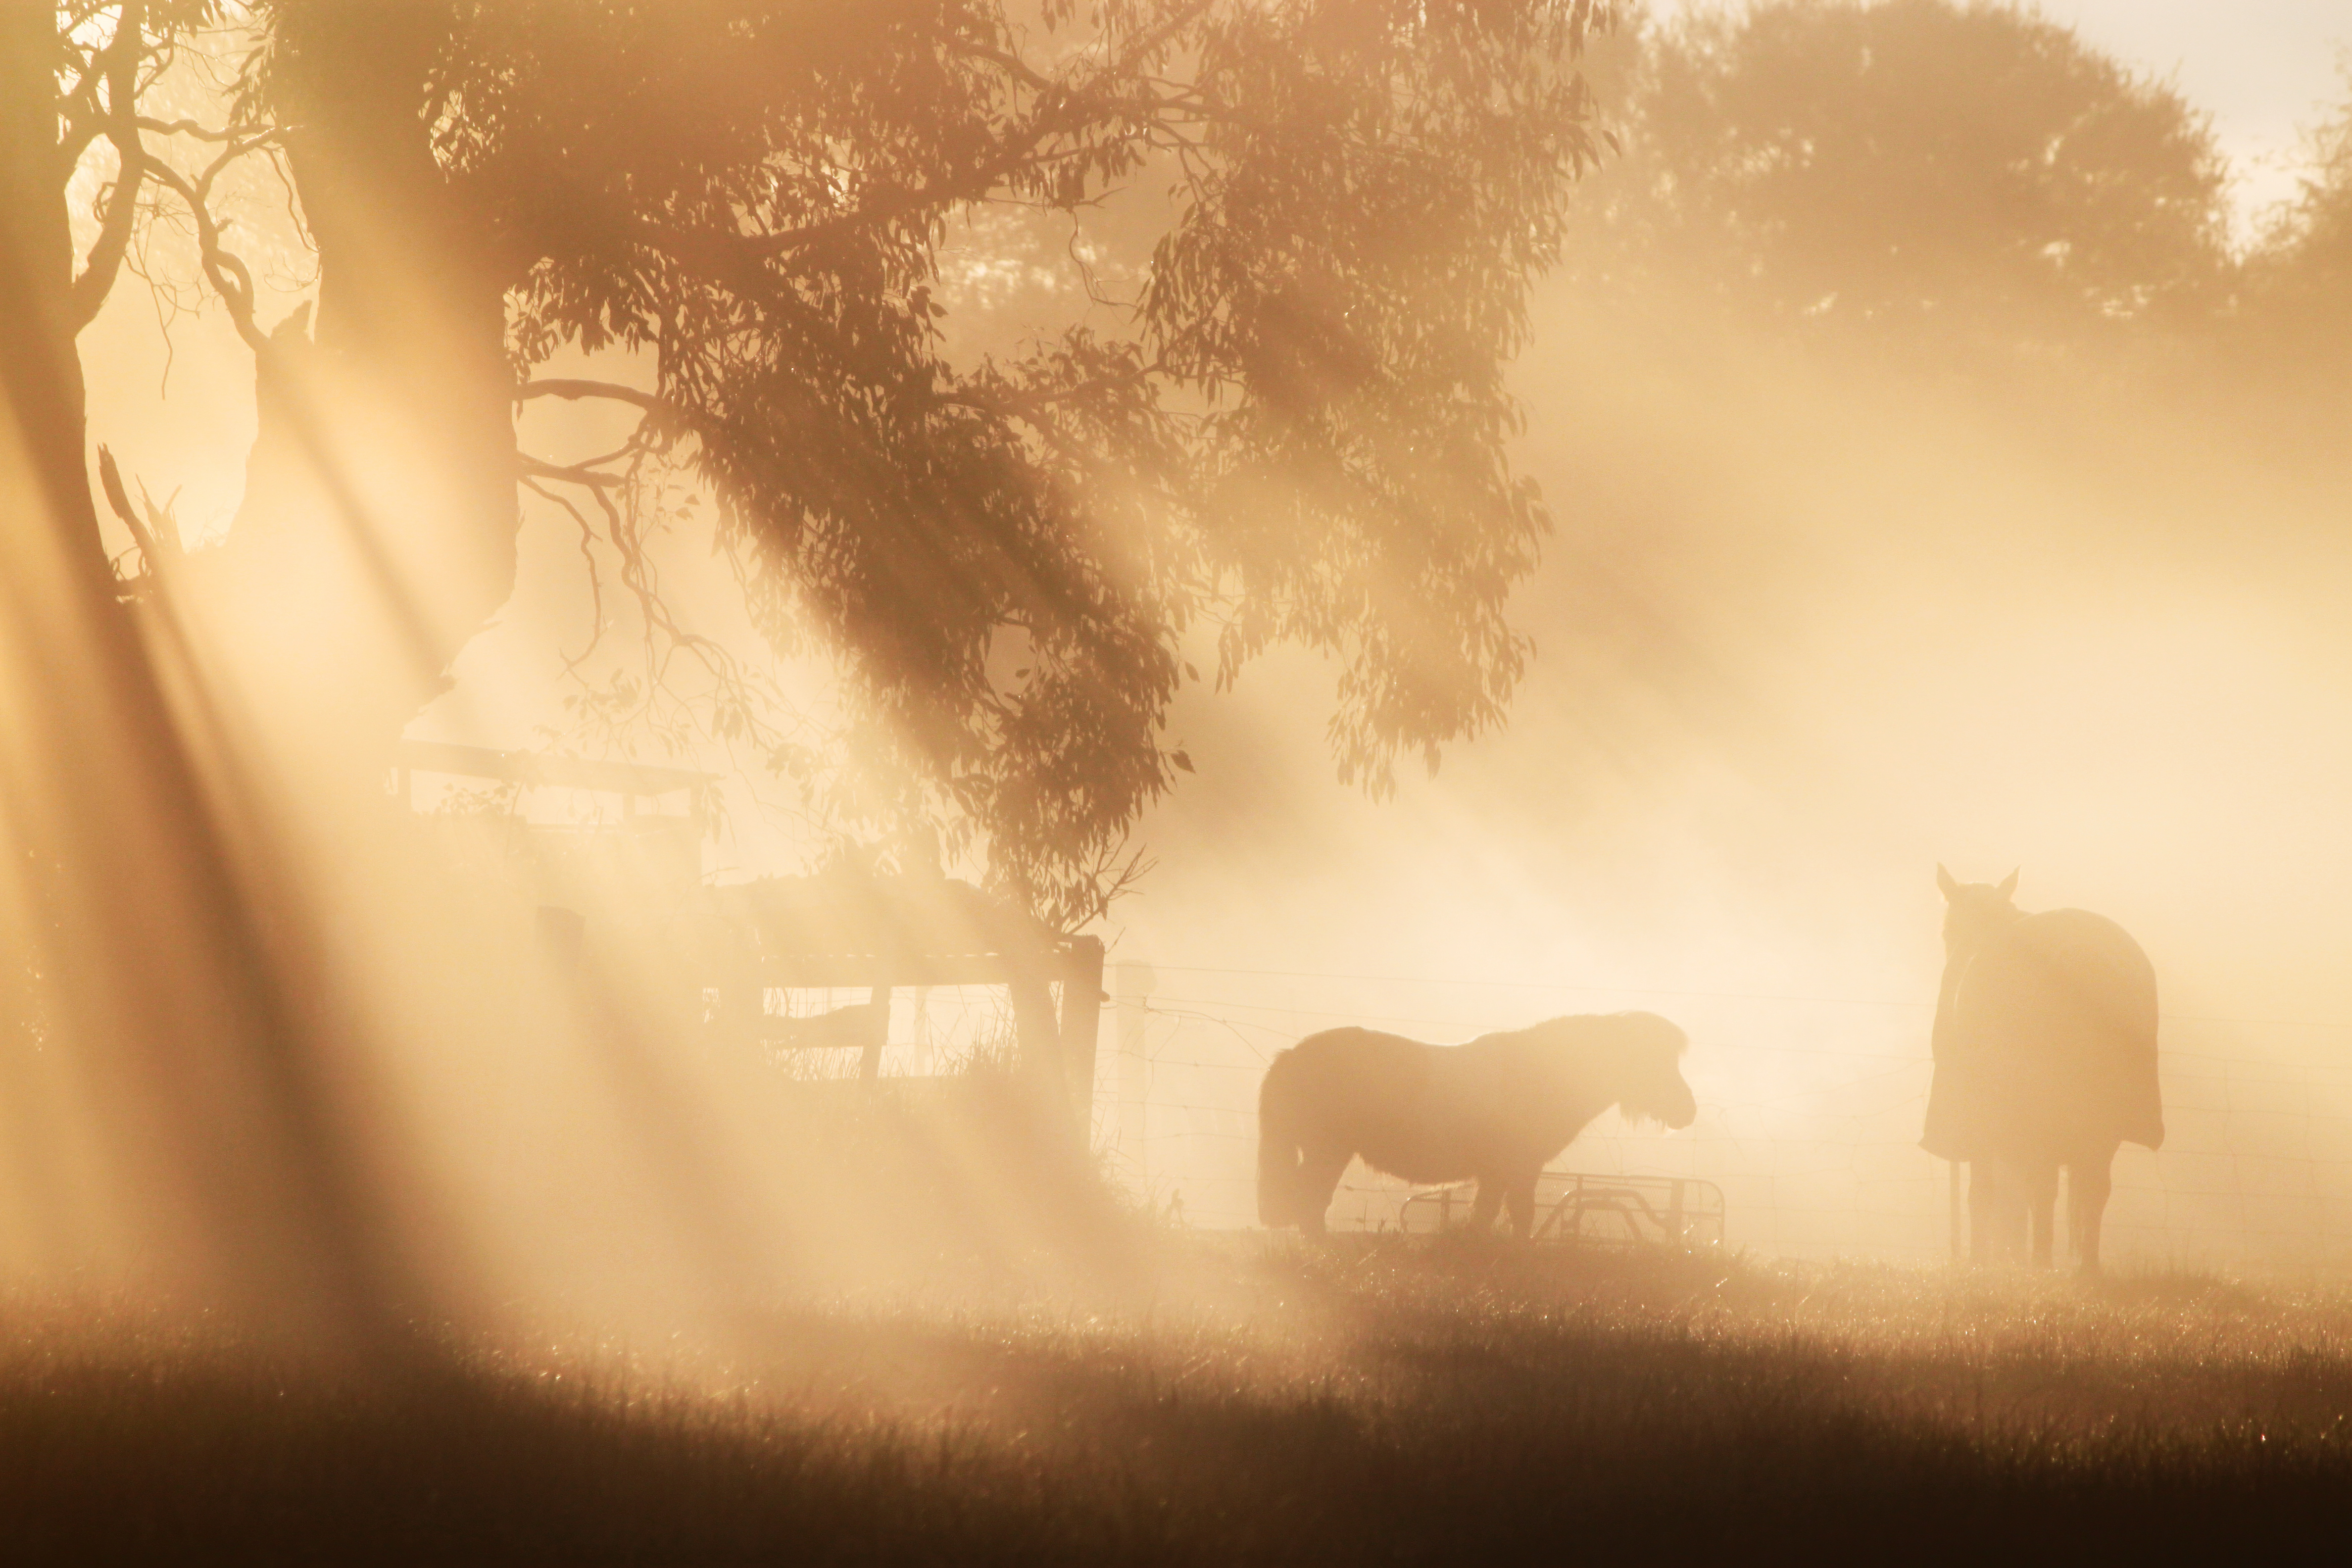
[1254,1400]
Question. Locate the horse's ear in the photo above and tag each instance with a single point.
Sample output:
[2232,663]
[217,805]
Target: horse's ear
[2009,884]
[1944,880]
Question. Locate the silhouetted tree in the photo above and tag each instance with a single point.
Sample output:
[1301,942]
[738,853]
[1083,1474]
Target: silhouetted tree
[161,958]
[1297,428]
[1920,167]
[2299,279]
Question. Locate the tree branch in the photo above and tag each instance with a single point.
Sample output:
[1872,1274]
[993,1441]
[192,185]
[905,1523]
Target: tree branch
[596,578]
[159,545]
[190,128]
[574,388]
[120,62]
[575,474]
[1065,108]
[226,271]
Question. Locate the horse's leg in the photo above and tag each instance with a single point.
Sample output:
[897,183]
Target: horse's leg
[1997,1210]
[1319,1179]
[1489,1199]
[1986,1212]
[1520,1198]
[2088,1183]
[2040,1184]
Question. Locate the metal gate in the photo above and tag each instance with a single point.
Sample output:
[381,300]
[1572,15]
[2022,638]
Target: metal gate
[1608,1210]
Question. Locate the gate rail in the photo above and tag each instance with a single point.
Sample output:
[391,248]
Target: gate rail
[1606,1211]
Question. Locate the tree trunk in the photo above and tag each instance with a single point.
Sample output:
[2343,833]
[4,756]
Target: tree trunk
[384,474]
[151,904]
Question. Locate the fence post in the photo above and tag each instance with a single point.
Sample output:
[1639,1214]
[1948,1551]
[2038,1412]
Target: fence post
[877,1033]
[1081,978]
[1134,983]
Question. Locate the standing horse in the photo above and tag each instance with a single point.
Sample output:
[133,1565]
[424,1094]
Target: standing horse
[1496,1109]
[2045,1056]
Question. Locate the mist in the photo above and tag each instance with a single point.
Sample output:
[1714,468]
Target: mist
[1820,613]
[1804,636]
[684,751]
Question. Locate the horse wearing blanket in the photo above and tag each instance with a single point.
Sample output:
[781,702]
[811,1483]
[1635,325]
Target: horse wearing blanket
[2046,1057]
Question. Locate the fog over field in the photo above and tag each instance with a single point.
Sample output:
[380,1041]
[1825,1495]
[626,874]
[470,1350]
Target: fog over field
[1826,600]
[691,694]
[1799,639]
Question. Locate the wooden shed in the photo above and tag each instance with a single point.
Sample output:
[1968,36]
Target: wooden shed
[850,929]
[845,929]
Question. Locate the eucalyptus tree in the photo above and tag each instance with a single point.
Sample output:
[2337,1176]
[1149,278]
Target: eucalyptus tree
[1294,423]
[1291,425]
[171,1009]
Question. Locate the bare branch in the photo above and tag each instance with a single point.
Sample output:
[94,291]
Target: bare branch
[96,279]
[157,549]
[596,578]
[191,128]
[572,474]
[1097,884]
[84,119]
[120,62]
[226,271]
[573,387]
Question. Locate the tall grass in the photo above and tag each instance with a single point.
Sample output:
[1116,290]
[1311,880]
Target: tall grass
[1257,1402]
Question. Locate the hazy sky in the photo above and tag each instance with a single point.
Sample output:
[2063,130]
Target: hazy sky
[2266,68]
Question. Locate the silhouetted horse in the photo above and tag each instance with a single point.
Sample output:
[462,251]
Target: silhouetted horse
[2045,1056]
[1496,1109]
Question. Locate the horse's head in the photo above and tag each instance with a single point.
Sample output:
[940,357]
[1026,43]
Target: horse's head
[1650,1080]
[1973,911]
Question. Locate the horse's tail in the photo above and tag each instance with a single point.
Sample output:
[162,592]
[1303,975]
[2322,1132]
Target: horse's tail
[1280,1150]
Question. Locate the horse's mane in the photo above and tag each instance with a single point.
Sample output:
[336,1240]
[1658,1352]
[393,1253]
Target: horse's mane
[1618,1034]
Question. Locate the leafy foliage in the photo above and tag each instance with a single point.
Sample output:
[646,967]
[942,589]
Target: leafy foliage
[1298,428]
[1924,167]
[2300,283]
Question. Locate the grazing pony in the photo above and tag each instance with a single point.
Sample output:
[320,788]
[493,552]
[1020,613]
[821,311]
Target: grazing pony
[2045,1056]
[1496,1109]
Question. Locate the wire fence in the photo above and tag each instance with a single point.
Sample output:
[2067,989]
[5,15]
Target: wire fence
[1810,1111]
